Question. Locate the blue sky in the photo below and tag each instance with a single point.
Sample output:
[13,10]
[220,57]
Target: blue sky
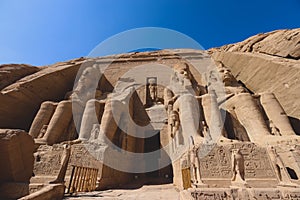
[44,32]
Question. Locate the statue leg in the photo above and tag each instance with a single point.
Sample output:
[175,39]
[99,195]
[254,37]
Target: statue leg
[43,117]
[212,116]
[276,113]
[250,116]
[89,118]
[59,122]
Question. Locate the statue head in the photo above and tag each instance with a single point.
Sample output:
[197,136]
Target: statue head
[89,78]
[152,81]
[182,70]
[226,75]
[168,93]
[87,84]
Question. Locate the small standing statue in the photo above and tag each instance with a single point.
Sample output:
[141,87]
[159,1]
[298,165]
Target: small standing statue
[64,164]
[174,125]
[195,164]
[238,168]
[206,133]
[274,130]
[152,90]
[95,132]
[43,131]
[279,167]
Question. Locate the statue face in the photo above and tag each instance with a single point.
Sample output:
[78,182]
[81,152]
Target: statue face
[84,78]
[151,81]
[169,93]
[183,70]
[226,76]
[88,78]
[173,118]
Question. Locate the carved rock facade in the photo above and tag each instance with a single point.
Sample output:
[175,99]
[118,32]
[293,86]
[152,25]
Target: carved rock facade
[180,116]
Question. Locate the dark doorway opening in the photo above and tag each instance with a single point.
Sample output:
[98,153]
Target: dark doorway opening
[292,173]
[161,175]
[152,144]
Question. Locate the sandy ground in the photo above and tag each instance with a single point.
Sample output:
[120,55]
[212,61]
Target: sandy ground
[151,192]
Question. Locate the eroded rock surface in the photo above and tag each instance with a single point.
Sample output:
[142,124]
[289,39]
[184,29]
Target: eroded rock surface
[223,124]
[16,158]
[267,62]
[9,73]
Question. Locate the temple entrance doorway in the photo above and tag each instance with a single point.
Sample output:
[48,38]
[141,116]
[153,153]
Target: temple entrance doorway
[161,175]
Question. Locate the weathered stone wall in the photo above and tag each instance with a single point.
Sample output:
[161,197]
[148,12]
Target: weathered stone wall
[10,73]
[21,100]
[267,63]
[16,158]
[216,166]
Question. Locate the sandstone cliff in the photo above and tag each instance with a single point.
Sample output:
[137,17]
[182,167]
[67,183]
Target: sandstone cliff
[10,73]
[22,98]
[264,63]
[267,62]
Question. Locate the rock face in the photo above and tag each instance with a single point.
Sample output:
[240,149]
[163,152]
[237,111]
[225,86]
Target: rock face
[16,157]
[165,115]
[25,95]
[12,72]
[16,148]
[267,62]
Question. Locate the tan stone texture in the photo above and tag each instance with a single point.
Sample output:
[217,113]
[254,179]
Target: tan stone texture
[251,152]
[267,63]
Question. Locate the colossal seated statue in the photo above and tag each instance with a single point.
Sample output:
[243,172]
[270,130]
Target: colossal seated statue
[58,116]
[250,111]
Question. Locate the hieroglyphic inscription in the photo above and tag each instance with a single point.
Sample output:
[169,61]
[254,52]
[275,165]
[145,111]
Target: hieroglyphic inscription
[217,164]
[212,195]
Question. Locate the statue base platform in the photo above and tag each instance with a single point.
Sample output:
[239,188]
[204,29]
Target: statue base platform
[239,184]
[289,185]
[199,185]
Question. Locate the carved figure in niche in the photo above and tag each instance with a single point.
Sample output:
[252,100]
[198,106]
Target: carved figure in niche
[64,164]
[174,125]
[205,131]
[95,132]
[195,163]
[279,167]
[274,130]
[238,166]
[43,131]
[59,116]
[152,87]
